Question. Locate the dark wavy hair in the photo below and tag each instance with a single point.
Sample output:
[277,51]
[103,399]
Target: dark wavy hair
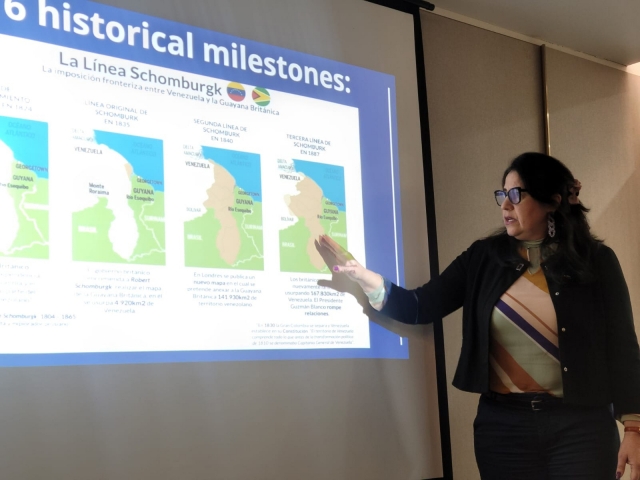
[569,255]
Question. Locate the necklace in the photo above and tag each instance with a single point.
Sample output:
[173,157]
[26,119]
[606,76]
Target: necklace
[534,254]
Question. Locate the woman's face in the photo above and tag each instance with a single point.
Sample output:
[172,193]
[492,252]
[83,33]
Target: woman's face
[528,219]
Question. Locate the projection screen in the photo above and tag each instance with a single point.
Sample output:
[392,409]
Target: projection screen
[165,171]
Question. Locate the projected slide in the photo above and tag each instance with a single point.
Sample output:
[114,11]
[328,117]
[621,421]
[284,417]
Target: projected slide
[162,188]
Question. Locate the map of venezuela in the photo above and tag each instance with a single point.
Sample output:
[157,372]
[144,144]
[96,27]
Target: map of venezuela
[314,205]
[119,199]
[223,226]
[24,188]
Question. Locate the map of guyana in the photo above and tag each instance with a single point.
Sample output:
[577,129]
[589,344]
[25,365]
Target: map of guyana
[24,188]
[223,228]
[118,199]
[314,195]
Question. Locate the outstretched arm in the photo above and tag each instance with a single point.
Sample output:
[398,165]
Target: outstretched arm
[435,299]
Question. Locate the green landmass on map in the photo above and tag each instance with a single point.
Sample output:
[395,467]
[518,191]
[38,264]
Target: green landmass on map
[32,239]
[297,247]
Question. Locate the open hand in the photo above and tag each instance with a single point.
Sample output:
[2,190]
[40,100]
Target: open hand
[342,261]
[629,455]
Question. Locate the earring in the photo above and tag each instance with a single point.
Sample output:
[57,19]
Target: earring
[551,225]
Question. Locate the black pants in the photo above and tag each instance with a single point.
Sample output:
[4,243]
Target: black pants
[555,441]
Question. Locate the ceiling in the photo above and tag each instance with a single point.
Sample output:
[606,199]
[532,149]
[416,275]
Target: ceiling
[608,29]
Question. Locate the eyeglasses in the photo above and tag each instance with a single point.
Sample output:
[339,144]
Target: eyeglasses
[514,194]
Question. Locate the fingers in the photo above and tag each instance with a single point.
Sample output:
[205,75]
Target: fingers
[622,463]
[329,242]
[335,248]
[344,261]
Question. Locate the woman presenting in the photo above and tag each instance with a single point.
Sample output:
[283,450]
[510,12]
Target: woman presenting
[548,333]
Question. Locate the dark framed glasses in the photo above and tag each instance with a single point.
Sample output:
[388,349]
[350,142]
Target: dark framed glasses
[514,194]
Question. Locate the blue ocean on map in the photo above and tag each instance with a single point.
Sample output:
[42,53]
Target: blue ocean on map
[330,178]
[243,166]
[144,154]
[29,141]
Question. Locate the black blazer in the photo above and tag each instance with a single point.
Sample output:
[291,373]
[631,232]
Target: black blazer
[599,354]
